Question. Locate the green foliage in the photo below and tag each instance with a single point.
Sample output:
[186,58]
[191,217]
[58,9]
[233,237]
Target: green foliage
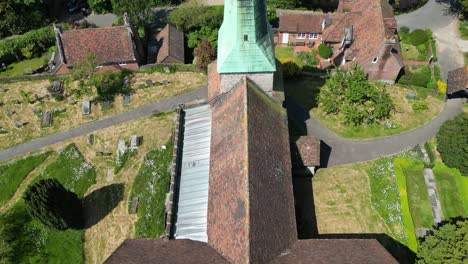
[110,84]
[422,48]
[419,76]
[100,6]
[195,37]
[20,16]
[452,143]
[448,244]
[204,55]
[452,189]
[190,18]
[360,102]
[290,68]
[283,4]
[84,72]
[404,30]
[151,185]
[434,51]
[405,209]
[325,51]
[308,58]
[33,43]
[53,205]
[419,106]
[137,10]
[430,153]
[12,174]
[418,37]
[122,160]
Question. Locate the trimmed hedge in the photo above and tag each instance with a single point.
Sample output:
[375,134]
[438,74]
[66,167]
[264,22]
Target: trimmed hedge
[405,209]
[418,37]
[452,141]
[26,46]
[325,51]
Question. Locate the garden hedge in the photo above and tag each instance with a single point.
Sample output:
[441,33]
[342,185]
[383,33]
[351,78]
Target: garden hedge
[26,46]
[418,37]
[325,51]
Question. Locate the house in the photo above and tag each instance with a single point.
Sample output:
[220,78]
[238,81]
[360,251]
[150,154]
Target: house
[457,82]
[299,27]
[115,48]
[169,44]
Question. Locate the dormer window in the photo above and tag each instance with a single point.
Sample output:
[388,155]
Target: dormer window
[375,59]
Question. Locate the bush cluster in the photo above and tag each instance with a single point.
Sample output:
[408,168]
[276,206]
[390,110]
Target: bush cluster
[26,46]
[418,37]
[419,106]
[325,51]
[419,78]
[308,58]
[290,68]
[452,142]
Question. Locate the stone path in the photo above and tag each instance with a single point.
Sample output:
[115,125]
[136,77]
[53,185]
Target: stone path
[164,105]
[432,190]
[344,151]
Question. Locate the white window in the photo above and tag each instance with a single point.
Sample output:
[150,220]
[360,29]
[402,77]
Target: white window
[301,35]
[313,35]
[122,63]
[375,59]
[99,66]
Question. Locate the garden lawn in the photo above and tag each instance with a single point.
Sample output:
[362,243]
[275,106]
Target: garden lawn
[304,91]
[151,186]
[412,53]
[25,67]
[418,197]
[404,117]
[452,189]
[463,27]
[284,53]
[13,173]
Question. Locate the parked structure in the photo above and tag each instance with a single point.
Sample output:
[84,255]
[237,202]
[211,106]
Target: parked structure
[457,82]
[115,48]
[166,46]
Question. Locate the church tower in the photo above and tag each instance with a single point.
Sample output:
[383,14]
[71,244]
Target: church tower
[245,45]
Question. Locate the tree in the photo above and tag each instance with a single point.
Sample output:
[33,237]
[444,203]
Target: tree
[53,205]
[452,143]
[350,93]
[448,244]
[20,16]
[138,10]
[204,55]
[190,18]
[325,51]
[210,35]
[290,68]
[84,72]
[283,4]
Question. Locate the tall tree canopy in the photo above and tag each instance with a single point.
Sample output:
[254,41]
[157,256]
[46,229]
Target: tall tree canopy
[452,143]
[20,16]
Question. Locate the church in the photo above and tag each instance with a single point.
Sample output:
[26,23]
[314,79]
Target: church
[231,195]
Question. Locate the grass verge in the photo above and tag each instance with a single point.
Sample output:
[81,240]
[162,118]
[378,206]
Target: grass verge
[452,189]
[12,174]
[25,67]
[284,53]
[151,185]
[463,27]
[418,197]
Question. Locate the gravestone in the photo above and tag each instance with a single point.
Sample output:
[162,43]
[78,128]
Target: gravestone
[135,141]
[134,204]
[106,104]
[166,69]
[165,82]
[86,107]
[10,112]
[411,96]
[126,82]
[149,83]
[47,119]
[18,123]
[91,139]
[126,99]
[57,88]
[122,147]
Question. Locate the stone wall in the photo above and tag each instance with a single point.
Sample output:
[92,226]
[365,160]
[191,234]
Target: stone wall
[262,80]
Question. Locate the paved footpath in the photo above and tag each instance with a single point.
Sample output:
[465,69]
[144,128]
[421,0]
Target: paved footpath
[344,151]
[164,105]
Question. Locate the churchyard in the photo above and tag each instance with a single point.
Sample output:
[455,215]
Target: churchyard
[88,167]
[24,102]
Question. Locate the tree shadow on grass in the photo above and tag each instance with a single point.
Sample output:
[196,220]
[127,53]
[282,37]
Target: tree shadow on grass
[100,203]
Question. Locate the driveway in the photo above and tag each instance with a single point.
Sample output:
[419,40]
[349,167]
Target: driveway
[164,105]
[345,151]
[438,18]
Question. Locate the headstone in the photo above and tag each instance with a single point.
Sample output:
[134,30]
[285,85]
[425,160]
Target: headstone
[10,112]
[149,83]
[18,123]
[411,96]
[16,101]
[126,82]
[134,204]
[71,101]
[106,104]
[166,69]
[57,88]
[165,82]
[2,103]
[91,139]
[122,147]
[135,141]
[47,119]
[126,99]
[86,107]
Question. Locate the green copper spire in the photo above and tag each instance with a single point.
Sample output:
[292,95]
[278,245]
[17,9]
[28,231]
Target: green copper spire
[245,43]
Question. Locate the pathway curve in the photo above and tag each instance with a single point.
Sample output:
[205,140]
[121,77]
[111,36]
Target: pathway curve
[436,17]
[164,105]
[345,151]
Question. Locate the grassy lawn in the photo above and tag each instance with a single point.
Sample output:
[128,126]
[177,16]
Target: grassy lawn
[151,185]
[463,27]
[404,117]
[412,53]
[25,67]
[418,198]
[179,82]
[13,173]
[284,53]
[452,189]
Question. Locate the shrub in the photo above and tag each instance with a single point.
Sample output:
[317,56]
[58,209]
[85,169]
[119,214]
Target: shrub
[418,37]
[404,30]
[204,55]
[419,106]
[419,79]
[290,68]
[452,143]
[110,84]
[33,43]
[325,51]
[308,58]
[100,6]
[422,48]
[442,86]
[192,18]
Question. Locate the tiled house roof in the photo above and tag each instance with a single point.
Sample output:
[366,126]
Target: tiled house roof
[170,45]
[305,151]
[110,44]
[457,80]
[301,22]
[251,215]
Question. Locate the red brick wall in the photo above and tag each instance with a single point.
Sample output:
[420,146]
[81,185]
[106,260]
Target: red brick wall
[214,84]
[293,38]
[228,205]
[272,214]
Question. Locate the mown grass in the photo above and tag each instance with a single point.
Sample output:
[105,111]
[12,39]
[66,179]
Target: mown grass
[36,243]
[12,174]
[284,53]
[151,186]
[418,196]
[412,53]
[25,67]
[452,189]
[463,27]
